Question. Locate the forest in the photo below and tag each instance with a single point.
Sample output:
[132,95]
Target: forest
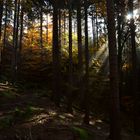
[69,69]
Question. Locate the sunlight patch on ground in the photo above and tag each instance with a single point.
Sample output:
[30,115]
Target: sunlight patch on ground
[52,113]
[40,118]
[99,121]
[68,115]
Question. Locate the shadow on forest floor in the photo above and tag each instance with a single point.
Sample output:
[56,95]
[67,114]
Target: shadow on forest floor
[30,115]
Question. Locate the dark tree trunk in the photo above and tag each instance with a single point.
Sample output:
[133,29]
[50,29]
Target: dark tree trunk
[15,40]
[56,58]
[13,61]
[120,48]
[41,27]
[97,39]
[64,28]
[70,96]
[17,34]
[79,34]
[15,23]
[136,95]
[115,127]
[1,15]
[47,29]
[80,55]
[120,21]
[59,32]
[21,30]
[93,28]
[5,24]
[86,118]
[20,39]
[47,25]
[4,34]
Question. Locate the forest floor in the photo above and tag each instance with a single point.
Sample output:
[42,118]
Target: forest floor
[31,115]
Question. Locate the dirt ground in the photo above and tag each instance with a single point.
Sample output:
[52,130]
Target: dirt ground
[30,115]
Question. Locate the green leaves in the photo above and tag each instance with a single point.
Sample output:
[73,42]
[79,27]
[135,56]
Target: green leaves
[82,133]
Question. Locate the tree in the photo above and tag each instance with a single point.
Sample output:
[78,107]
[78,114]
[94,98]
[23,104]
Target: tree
[5,23]
[56,57]
[136,95]
[1,15]
[21,26]
[70,97]
[115,128]
[86,118]
[15,41]
[41,26]
[79,35]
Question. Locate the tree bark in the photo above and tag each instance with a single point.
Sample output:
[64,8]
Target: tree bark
[59,32]
[86,96]
[93,29]
[5,24]
[136,95]
[79,34]
[97,39]
[1,49]
[15,41]
[21,30]
[47,29]
[64,28]
[56,58]
[115,127]
[41,27]
[1,15]
[70,95]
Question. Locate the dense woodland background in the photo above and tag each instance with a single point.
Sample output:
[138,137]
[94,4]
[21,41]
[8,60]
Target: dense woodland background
[71,67]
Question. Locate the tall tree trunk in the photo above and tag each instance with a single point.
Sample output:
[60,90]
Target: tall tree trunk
[20,40]
[80,54]
[59,32]
[97,39]
[41,27]
[47,25]
[15,23]
[5,24]
[64,27]
[21,30]
[47,29]
[115,127]
[70,95]
[79,34]
[15,40]
[4,34]
[86,118]
[93,28]
[120,53]
[1,15]
[136,95]
[17,34]
[56,58]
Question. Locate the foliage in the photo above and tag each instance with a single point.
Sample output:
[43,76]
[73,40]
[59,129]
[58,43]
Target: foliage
[8,94]
[81,132]
[18,115]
